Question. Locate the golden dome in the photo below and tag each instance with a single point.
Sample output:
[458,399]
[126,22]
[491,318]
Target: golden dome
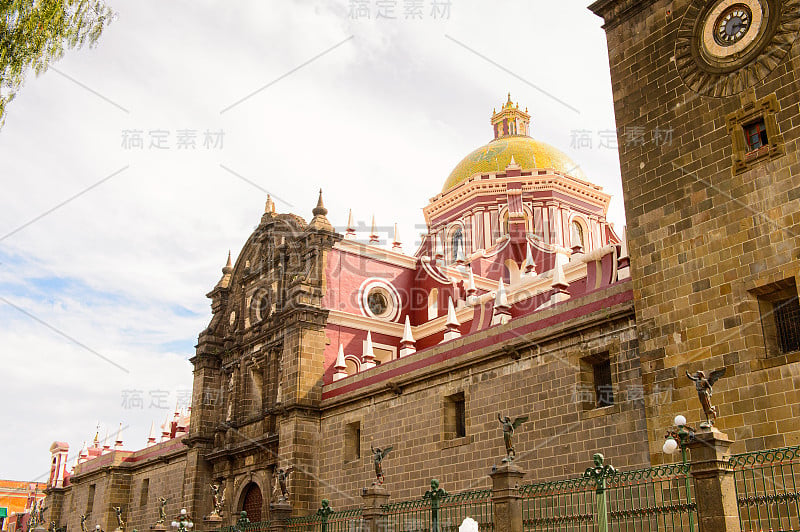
[495,156]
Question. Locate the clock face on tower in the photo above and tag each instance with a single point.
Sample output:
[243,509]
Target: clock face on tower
[733,24]
[725,46]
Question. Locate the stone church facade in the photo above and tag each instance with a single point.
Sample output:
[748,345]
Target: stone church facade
[521,300]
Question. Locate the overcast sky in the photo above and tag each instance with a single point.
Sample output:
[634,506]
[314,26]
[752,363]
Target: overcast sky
[107,249]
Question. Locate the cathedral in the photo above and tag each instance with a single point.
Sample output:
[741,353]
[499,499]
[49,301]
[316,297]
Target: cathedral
[521,300]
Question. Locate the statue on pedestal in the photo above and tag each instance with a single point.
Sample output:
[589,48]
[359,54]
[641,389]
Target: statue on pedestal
[281,478]
[508,431]
[703,385]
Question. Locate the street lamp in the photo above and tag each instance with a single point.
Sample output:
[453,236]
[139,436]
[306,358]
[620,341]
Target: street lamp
[183,523]
[679,436]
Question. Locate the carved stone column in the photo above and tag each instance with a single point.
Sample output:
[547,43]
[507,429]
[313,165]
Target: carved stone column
[506,499]
[714,487]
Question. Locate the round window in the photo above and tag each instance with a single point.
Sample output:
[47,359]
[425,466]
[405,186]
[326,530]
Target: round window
[377,301]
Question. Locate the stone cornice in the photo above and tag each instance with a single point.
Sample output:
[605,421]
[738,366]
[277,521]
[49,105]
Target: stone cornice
[614,12]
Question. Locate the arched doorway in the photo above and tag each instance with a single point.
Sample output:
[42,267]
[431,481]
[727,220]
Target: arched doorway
[252,502]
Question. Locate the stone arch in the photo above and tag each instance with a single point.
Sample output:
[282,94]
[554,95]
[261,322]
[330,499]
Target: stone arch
[244,483]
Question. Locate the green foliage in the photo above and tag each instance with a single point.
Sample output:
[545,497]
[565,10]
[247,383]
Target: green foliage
[34,33]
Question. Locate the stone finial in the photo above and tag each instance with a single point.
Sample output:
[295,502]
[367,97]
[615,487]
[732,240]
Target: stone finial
[452,326]
[396,244]
[530,266]
[350,231]
[151,438]
[118,442]
[407,343]
[228,268]
[502,310]
[106,444]
[471,290]
[269,207]
[373,233]
[512,164]
[559,283]
[340,368]
[320,209]
[368,358]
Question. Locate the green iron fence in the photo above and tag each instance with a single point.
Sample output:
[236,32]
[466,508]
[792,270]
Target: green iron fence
[418,515]
[766,489]
[658,498]
[327,521]
[252,526]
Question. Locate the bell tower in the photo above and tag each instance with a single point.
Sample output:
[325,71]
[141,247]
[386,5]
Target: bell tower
[706,99]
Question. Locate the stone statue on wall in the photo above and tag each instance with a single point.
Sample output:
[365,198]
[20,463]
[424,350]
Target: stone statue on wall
[281,479]
[162,511]
[703,385]
[120,522]
[219,500]
[231,384]
[377,458]
[83,523]
[508,432]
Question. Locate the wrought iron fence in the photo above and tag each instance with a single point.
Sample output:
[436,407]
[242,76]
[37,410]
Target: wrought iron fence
[253,526]
[331,521]
[658,498]
[418,515]
[559,505]
[766,489]
[457,507]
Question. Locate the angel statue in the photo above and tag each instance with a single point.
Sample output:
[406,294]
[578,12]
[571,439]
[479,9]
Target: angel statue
[377,457]
[704,391]
[162,510]
[281,477]
[120,522]
[508,431]
[219,500]
[83,523]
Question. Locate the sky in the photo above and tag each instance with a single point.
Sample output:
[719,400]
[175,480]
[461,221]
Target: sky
[129,170]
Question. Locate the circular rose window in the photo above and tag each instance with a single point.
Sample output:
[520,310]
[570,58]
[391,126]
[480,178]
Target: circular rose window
[379,299]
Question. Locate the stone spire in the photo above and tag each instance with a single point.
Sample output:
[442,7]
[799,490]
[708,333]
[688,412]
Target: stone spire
[452,326]
[472,291]
[559,284]
[228,268]
[373,233]
[269,208]
[407,343]
[502,310]
[151,438]
[512,164]
[368,358]
[397,245]
[118,442]
[83,454]
[319,221]
[350,231]
[529,268]
[340,368]
[106,444]
[166,429]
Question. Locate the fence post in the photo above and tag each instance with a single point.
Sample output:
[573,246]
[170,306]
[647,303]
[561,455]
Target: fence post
[279,512]
[435,495]
[375,497]
[714,486]
[506,498]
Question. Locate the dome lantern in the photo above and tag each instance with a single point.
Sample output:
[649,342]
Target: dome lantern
[510,121]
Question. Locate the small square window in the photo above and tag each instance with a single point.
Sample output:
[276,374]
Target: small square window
[596,386]
[352,441]
[455,416]
[90,500]
[756,135]
[780,317]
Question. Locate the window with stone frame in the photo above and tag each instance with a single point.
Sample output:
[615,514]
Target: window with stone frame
[779,308]
[754,133]
[596,382]
[455,416]
[352,441]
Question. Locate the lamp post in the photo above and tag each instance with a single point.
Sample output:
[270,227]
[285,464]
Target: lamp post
[679,436]
[183,523]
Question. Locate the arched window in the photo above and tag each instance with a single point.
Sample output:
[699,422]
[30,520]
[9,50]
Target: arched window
[352,365]
[433,304]
[577,235]
[456,244]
